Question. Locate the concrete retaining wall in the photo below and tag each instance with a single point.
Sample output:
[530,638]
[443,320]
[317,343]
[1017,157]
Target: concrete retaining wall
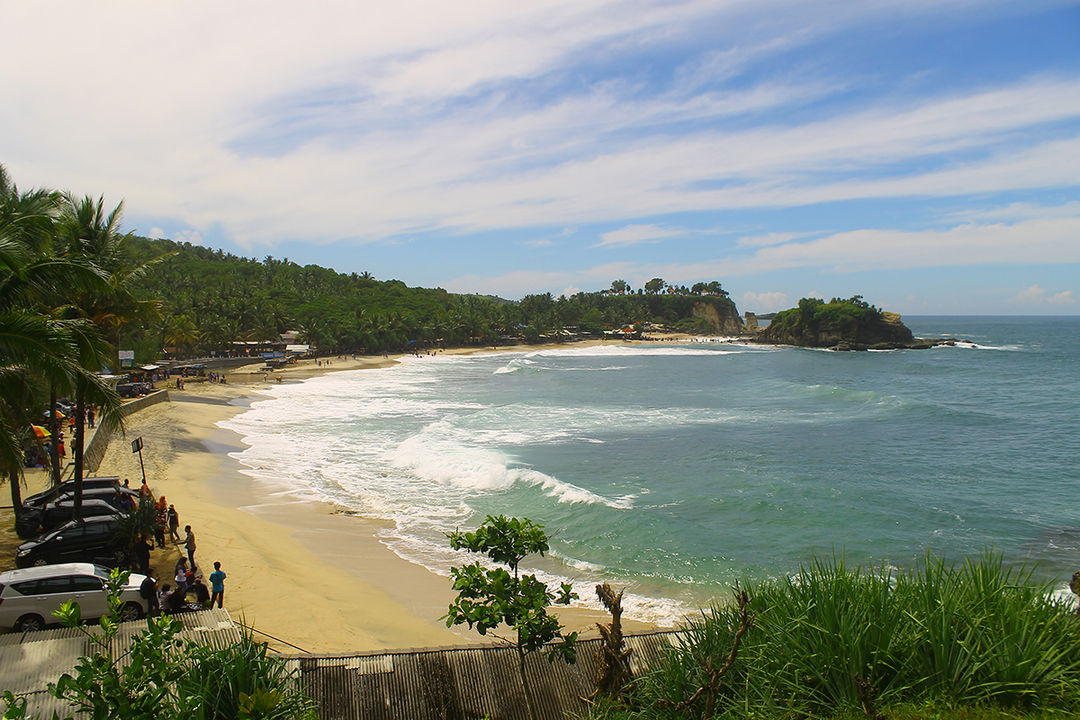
[95,449]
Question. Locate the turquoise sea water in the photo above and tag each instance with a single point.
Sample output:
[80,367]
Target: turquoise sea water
[679,469]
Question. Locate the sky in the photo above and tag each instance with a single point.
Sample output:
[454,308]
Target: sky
[922,153]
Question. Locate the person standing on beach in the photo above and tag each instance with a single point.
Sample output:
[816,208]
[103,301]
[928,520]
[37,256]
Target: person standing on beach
[180,576]
[174,524]
[189,545]
[90,416]
[142,553]
[160,518]
[148,591]
[217,585]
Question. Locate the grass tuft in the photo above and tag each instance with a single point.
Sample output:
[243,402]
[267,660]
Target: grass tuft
[837,641]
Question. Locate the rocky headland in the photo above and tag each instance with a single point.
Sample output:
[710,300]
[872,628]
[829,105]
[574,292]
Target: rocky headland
[851,324]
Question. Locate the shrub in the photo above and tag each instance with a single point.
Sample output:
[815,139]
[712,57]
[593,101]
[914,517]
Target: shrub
[837,640]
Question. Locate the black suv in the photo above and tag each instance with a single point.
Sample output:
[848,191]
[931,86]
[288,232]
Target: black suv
[91,540]
[32,519]
[32,523]
[89,483]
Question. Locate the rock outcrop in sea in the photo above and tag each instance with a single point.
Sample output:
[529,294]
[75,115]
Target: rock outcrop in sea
[843,325]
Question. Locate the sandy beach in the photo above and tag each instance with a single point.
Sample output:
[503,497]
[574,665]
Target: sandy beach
[305,576]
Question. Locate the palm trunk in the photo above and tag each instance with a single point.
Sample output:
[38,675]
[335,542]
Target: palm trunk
[54,446]
[77,440]
[16,493]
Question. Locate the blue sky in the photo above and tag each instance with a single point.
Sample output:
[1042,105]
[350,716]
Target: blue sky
[923,154]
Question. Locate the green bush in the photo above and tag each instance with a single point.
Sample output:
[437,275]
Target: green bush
[836,641]
[164,678]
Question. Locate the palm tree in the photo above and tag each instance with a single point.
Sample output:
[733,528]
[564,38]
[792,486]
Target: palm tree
[35,347]
[90,236]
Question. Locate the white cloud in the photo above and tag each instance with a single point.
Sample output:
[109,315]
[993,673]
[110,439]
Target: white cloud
[1019,211]
[1030,242]
[190,236]
[765,301]
[396,121]
[774,238]
[635,235]
[156,233]
[1036,295]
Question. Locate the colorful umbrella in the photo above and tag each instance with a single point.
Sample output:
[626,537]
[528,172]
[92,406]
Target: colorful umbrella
[41,432]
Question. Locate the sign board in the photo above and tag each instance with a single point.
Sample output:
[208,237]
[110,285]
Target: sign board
[136,445]
[127,357]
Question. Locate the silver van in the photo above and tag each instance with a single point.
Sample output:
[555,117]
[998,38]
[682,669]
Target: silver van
[28,597]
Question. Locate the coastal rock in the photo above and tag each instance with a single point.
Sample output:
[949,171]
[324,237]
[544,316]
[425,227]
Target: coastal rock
[846,325]
[723,316]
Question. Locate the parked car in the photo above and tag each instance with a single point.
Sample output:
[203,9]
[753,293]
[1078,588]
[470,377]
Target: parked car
[32,523]
[134,389]
[89,483]
[29,597]
[88,540]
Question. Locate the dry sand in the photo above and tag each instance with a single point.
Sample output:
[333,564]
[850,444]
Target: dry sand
[307,577]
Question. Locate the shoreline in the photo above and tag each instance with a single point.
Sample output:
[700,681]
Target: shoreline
[299,571]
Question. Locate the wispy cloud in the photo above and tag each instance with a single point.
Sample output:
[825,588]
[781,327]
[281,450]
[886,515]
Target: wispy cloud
[765,301]
[407,125]
[767,239]
[1036,295]
[427,122]
[635,235]
[1029,242]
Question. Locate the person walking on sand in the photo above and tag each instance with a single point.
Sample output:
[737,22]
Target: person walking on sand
[189,545]
[217,585]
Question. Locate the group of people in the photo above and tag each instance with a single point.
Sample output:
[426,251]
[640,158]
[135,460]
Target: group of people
[170,599]
[187,575]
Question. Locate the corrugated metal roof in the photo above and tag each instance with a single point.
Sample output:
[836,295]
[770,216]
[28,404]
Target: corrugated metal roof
[434,684]
[30,661]
[471,682]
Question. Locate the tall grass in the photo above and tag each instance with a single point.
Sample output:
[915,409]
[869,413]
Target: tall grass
[241,680]
[838,639]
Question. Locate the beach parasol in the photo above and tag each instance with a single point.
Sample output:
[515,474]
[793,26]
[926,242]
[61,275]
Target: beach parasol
[41,432]
[59,414]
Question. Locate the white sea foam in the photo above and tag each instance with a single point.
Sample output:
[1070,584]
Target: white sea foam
[583,576]
[437,456]
[603,351]
[564,436]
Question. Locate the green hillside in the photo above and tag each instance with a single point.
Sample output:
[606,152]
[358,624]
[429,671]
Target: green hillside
[210,298]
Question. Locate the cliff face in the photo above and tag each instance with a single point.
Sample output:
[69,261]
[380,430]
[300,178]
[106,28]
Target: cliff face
[721,314]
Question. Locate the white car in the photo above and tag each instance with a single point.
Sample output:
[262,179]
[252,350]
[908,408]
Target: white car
[28,597]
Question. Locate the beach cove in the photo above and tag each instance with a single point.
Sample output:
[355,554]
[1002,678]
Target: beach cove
[302,573]
[670,469]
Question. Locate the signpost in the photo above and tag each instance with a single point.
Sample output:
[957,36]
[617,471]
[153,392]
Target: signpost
[136,447]
[126,357]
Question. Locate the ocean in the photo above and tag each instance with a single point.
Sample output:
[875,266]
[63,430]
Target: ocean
[675,470]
